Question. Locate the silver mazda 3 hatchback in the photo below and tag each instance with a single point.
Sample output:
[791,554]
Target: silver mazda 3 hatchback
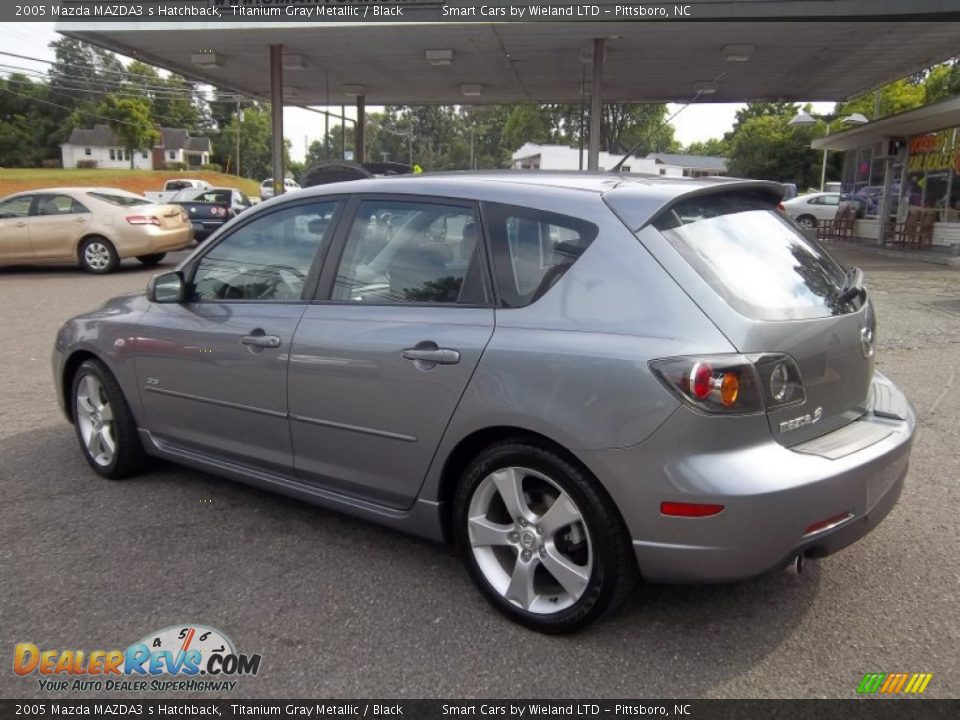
[581,380]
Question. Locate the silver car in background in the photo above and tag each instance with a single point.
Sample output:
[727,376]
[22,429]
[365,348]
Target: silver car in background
[582,380]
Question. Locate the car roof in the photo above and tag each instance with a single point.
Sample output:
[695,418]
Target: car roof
[77,190]
[635,198]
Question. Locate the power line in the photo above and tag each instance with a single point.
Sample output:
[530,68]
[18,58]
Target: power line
[64,107]
[124,91]
[62,79]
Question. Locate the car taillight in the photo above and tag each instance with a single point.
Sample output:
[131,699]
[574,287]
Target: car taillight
[781,207]
[727,384]
[143,220]
[218,211]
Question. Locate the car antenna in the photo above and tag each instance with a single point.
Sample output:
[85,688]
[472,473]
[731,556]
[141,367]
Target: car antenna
[691,101]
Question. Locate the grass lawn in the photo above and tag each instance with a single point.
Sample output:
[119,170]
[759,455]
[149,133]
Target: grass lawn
[138,181]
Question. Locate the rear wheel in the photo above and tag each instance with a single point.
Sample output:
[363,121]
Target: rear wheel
[807,221]
[104,424]
[152,259]
[541,540]
[97,255]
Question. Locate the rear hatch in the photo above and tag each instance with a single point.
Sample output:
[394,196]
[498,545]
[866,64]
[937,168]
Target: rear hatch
[772,289]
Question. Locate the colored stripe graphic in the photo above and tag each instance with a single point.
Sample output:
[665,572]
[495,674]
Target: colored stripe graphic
[894,683]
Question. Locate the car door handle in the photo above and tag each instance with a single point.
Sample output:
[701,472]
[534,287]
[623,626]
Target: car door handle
[434,355]
[260,340]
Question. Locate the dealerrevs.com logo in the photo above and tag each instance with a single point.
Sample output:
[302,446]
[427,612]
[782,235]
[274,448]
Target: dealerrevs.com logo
[187,658]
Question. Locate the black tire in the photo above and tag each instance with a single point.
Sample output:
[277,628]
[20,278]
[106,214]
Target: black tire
[98,255]
[807,221]
[129,457]
[614,570]
[152,259]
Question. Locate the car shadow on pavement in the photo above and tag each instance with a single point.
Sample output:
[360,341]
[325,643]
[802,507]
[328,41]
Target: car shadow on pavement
[336,606]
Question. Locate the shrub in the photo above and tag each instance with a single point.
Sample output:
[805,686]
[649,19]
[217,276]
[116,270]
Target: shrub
[212,167]
[51,163]
[179,166]
[86,164]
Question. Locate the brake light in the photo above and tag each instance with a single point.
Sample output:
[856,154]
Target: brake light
[781,207]
[143,220]
[728,384]
[682,509]
[218,211]
[828,523]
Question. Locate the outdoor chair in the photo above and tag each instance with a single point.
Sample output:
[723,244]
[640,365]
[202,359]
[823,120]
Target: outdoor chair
[906,233]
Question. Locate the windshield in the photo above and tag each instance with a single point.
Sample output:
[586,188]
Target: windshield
[762,265]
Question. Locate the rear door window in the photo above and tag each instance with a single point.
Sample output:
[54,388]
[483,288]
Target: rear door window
[401,251]
[532,249]
[755,259]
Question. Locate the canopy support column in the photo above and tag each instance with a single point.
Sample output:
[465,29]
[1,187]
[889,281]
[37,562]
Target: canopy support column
[276,112]
[596,106]
[360,138]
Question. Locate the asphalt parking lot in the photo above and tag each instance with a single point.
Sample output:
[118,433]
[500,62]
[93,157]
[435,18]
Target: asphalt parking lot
[341,608]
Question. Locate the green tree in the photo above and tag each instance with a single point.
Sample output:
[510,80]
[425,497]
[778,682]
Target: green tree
[766,147]
[129,119]
[716,147]
[899,96]
[24,122]
[256,151]
[942,82]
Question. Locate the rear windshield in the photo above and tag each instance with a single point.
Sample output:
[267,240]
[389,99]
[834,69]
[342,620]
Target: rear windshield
[121,200]
[754,258]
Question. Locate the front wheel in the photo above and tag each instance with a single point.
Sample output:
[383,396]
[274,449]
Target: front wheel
[98,255]
[541,539]
[152,259]
[807,222]
[105,426]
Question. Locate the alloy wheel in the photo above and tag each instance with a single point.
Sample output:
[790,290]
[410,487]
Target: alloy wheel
[530,540]
[95,420]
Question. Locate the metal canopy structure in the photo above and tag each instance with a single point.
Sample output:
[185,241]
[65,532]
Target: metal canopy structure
[540,62]
[746,50]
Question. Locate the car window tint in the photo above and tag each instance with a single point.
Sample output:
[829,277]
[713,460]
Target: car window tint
[412,252]
[267,259]
[532,249]
[17,207]
[57,205]
[755,259]
[830,200]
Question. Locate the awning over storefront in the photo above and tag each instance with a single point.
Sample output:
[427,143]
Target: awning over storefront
[931,118]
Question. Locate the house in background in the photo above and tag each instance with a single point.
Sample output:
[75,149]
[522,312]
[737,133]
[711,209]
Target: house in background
[99,145]
[560,157]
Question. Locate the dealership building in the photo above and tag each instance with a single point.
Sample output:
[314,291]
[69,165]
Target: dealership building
[909,162]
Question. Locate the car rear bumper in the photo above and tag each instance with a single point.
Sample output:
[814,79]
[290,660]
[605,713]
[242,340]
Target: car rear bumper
[772,495]
[155,240]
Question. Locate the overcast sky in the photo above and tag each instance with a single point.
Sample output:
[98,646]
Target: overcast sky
[696,122]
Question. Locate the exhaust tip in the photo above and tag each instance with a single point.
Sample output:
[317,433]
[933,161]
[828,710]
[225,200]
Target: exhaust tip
[795,566]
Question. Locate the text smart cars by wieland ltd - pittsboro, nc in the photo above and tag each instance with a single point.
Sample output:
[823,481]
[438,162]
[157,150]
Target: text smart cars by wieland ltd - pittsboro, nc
[581,379]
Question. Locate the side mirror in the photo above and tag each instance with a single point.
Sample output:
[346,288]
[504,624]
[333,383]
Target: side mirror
[166,288]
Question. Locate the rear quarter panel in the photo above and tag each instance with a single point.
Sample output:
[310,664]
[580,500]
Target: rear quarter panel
[573,366]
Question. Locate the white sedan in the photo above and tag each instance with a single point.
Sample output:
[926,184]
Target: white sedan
[810,210]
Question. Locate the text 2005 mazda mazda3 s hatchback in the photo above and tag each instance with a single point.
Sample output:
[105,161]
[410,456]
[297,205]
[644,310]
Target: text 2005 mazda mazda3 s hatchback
[580,379]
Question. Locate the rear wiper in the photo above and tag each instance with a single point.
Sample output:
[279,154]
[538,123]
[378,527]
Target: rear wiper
[853,288]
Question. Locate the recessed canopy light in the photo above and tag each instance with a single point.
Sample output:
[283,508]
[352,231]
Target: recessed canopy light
[354,90]
[206,59]
[705,88]
[738,53]
[471,89]
[294,61]
[439,57]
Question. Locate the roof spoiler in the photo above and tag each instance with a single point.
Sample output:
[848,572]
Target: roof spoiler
[638,205]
